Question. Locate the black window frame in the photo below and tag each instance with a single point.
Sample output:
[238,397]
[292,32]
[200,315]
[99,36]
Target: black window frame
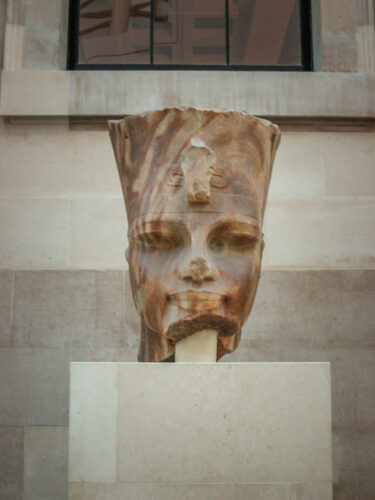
[305,33]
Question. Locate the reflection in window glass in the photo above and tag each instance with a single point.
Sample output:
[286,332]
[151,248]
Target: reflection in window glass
[253,33]
[114,32]
[264,32]
[189,32]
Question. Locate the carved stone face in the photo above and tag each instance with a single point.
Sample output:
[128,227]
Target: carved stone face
[195,184]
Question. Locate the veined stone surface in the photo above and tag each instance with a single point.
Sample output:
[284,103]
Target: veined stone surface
[195,184]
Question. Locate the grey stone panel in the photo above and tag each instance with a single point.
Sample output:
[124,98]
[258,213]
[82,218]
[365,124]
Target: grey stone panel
[314,309]
[69,309]
[34,382]
[6,305]
[298,316]
[11,463]
[46,463]
[3,9]
[346,490]
[132,319]
[339,51]
[365,487]
[339,35]
[45,34]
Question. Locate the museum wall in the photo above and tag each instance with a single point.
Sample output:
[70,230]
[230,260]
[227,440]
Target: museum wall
[64,288]
[2,29]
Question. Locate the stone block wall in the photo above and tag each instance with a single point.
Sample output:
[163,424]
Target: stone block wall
[64,287]
[65,294]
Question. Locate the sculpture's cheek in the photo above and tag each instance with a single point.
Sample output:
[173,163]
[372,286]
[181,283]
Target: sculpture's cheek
[240,282]
[150,274]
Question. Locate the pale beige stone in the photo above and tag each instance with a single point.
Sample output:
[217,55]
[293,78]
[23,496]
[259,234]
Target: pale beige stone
[297,172]
[259,93]
[170,491]
[101,93]
[200,346]
[45,463]
[13,47]
[34,93]
[349,160]
[93,422]
[66,163]
[267,422]
[366,45]
[33,233]
[344,361]
[97,234]
[320,234]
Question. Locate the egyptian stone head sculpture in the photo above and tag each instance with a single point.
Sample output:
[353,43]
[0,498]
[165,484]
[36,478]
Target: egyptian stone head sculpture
[195,184]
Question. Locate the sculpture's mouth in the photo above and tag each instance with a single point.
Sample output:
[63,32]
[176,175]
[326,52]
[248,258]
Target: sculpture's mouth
[197,301]
[194,310]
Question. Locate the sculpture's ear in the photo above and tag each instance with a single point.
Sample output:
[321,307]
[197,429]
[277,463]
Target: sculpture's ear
[119,138]
[275,141]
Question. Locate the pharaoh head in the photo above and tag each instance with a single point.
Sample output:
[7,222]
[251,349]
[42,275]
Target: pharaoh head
[195,184]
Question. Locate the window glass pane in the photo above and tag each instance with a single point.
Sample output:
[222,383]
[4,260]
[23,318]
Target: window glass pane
[264,32]
[189,32]
[114,32]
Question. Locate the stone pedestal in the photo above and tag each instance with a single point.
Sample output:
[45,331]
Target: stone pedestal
[200,431]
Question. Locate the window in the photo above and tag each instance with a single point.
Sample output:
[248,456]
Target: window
[190,34]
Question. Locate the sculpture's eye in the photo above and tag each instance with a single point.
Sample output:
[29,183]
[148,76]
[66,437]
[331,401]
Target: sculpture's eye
[240,241]
[231,241]
[158,240]
[216,244]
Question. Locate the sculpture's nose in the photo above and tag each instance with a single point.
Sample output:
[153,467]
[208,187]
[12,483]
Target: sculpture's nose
[198,270]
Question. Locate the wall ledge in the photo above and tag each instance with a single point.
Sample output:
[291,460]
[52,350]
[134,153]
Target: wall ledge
[103,94]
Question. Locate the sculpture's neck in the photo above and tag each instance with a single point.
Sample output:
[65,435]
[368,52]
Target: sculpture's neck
[199,347]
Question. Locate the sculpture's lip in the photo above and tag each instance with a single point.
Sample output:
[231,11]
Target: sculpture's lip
[196,300]
[196,294]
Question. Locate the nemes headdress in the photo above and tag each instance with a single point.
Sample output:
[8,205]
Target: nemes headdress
[188,159]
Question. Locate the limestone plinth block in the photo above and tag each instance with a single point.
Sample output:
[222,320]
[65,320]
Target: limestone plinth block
[200,429]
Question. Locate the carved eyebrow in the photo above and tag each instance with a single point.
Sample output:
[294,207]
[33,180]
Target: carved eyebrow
[247,224]
[148,224]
